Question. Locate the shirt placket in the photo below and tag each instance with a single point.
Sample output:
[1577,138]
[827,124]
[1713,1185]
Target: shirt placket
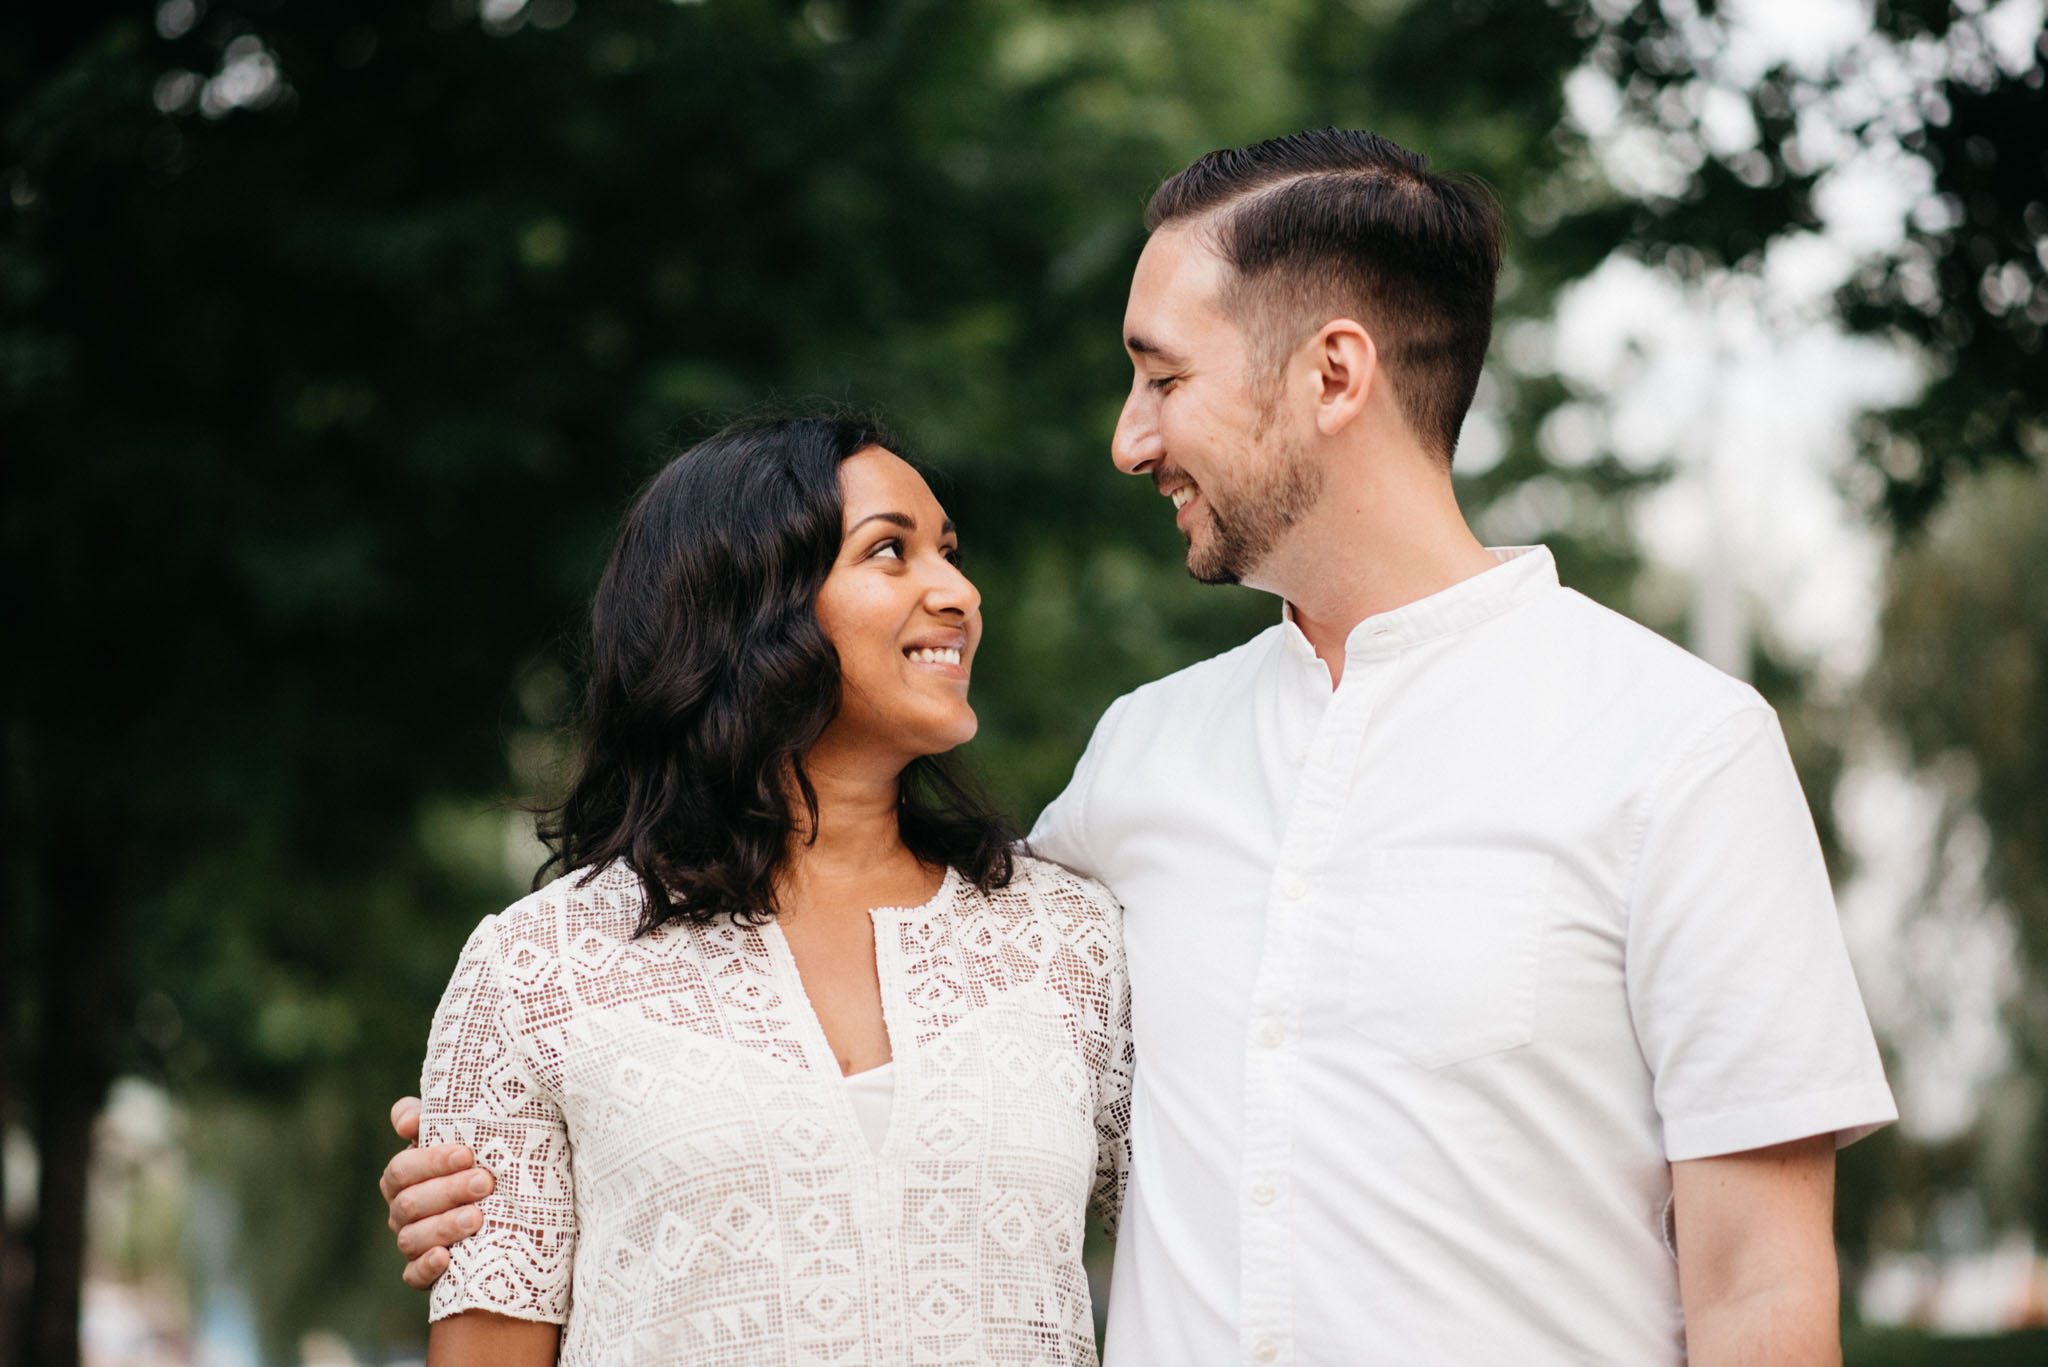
[1266,1189]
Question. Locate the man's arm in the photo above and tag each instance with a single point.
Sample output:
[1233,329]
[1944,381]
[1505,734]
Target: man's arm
[1756,1256]
[431,1193]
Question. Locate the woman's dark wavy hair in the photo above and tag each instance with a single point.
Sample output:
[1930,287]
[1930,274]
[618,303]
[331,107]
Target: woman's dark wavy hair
[710,679]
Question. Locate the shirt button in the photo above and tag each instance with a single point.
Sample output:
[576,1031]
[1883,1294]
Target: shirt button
[1266,1350]
[1272,1035]
[1295,889]
[1262,1192]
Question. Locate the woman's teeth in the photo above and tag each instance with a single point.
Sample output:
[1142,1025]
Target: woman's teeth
[1181,496]
[935,656]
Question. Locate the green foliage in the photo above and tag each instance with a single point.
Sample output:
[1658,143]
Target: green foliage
[1967,288]
[1899,1348]
[1970,289]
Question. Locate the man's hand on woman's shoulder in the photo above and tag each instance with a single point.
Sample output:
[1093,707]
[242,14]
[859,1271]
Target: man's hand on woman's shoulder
[431,1193]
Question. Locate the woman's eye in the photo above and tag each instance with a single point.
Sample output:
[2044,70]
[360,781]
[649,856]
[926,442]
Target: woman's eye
[952,554]
[892,548]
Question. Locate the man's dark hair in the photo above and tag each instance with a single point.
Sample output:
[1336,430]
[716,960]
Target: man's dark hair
[711,679]
[1339,223]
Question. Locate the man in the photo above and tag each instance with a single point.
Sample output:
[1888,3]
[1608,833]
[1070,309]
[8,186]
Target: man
[1489,998]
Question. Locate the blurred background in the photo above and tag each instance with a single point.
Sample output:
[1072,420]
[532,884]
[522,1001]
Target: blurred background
[334,335]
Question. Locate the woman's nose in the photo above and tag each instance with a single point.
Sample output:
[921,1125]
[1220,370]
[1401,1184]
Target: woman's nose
[952,591]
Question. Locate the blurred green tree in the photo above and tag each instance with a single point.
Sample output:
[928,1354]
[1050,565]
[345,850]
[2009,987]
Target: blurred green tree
[1964,673]
[335,335]
[1959,114]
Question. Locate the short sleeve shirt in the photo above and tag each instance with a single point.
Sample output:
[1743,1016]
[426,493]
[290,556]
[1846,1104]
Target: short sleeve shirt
[683,1177]
[1434,974]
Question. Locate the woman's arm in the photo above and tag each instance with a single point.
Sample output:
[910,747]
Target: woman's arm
[483,1092]
[1111,1058]
[478,1338]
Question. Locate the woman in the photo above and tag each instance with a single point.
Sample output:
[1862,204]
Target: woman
[800,1061]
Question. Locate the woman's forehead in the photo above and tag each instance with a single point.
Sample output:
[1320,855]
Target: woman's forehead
[876,479]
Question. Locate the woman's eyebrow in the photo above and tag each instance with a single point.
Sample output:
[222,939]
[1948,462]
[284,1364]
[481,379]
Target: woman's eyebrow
[903,520]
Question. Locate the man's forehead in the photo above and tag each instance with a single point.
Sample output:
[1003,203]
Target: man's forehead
[1179,256]
[1176,285]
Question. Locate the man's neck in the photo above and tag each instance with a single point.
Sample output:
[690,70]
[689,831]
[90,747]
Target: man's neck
[1394,539]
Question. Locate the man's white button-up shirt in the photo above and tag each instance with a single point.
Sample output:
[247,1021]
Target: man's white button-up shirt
[1434,974]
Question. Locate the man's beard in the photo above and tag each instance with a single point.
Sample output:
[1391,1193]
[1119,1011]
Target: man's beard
[1246,523]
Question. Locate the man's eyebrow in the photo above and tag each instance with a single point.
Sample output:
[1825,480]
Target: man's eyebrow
[1140,345]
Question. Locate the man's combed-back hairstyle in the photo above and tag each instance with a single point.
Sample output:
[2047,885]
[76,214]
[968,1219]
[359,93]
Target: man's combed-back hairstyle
[711,679]
[1337,223]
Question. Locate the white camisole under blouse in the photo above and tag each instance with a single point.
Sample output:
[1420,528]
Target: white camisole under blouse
[873,1093]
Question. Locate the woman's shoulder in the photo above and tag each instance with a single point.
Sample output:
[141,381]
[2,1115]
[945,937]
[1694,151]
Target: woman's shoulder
[1039,888]
[1043,877]
[581,911]
[1047,924]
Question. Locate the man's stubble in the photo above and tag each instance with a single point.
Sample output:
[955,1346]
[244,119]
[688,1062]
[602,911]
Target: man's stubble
[1246,522]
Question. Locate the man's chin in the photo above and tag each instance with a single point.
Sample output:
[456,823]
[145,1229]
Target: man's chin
[1206,569]
[1209,560]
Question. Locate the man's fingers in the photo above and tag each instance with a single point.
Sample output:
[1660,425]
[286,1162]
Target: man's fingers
[405,1117]
[423,1271]
[424,1200]
[422,1237]
[410,1167]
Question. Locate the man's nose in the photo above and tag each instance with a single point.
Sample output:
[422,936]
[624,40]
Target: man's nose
[1135,446]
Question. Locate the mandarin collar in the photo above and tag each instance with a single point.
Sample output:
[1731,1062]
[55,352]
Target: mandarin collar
[1523,572]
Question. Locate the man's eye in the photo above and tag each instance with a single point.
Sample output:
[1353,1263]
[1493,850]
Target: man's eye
[1160,382]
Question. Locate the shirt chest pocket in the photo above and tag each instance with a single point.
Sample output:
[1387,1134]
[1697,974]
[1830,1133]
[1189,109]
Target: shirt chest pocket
[1445,952]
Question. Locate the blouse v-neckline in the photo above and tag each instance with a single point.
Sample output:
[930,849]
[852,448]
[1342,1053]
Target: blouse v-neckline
[902,1037]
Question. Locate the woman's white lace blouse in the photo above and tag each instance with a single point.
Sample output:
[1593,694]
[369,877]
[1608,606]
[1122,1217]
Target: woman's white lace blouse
[682,1178]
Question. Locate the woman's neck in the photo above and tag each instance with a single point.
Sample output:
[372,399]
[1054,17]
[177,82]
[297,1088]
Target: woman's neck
[855,853]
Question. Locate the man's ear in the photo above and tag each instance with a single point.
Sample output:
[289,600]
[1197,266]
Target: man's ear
[1346,366]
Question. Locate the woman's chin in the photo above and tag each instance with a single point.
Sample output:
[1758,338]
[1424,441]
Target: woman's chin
[952,737]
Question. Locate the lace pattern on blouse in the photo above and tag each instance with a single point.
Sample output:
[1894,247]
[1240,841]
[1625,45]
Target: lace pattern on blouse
[682,1178]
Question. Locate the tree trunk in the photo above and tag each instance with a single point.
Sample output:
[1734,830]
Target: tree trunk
[80,972]
[13,1257]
